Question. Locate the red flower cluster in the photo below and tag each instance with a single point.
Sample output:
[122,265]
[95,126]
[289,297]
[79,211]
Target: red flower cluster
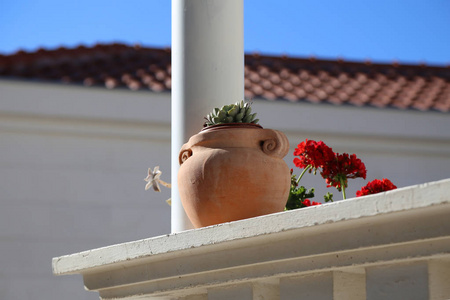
[342,168]
[312,153]
[308,202]
[336,168]
[376,186]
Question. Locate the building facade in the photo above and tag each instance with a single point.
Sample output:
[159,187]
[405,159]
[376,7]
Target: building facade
[80,127]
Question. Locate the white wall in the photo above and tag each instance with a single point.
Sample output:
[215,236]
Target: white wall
[72,164]
[73,159]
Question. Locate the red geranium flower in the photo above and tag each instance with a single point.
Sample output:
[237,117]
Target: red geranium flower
[308,202]
[336,168]
[312,153]
[339,170]
[376,186]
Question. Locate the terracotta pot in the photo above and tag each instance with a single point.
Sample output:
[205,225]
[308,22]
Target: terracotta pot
[233,171]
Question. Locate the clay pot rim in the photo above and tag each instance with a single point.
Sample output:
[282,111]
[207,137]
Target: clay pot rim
[231,125]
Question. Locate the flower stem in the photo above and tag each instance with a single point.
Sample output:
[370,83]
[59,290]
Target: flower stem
[304,171]
[343,189]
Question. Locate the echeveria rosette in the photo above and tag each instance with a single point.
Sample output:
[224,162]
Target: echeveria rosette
[376,186]
[239,112]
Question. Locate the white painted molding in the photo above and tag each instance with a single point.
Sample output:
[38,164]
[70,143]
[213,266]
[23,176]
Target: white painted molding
[49,100]
[45,108]
[345,120]
[404,229]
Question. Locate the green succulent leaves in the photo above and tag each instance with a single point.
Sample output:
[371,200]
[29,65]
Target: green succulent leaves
[240,112]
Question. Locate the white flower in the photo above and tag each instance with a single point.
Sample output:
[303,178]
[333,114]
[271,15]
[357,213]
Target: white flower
[153,179]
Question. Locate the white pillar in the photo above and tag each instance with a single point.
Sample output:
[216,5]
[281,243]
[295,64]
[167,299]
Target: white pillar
[439,279]
[349,284]
[207,72]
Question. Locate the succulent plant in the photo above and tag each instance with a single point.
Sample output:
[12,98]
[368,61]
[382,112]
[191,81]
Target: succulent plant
[240,112]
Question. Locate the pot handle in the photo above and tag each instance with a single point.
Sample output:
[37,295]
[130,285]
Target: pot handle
[185,153]
[277,145]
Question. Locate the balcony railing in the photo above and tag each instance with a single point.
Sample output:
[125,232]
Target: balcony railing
[393,245]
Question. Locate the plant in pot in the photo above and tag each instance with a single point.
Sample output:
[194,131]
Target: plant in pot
[233,168]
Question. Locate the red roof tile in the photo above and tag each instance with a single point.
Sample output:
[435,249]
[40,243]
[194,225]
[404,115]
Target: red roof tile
[313,80]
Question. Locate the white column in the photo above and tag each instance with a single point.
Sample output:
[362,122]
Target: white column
[317,286]
[241,291]
[268,289]
[439,279]
[196,297]
[207,72]
[349,284]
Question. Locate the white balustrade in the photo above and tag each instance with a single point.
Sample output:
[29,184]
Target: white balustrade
[393,245]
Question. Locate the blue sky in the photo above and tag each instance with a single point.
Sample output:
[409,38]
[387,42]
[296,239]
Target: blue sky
[383,30]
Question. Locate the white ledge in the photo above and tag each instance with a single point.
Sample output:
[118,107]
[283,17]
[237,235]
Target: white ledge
[404,225]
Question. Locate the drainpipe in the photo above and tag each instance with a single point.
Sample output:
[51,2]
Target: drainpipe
[207,72]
